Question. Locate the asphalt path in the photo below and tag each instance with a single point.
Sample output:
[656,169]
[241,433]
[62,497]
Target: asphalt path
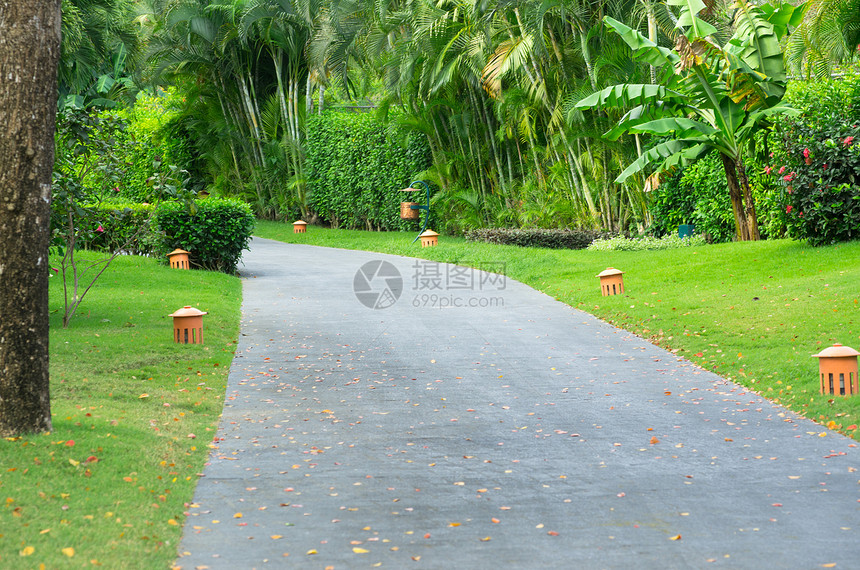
[463,420]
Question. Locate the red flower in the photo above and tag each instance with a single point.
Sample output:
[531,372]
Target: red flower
[788,177]
[100,229]
[788,209]
[806,153]
[781,169]
[847,141]
[767,169]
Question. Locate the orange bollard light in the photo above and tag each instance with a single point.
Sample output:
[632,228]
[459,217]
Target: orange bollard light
[188,325]
[837,369]
[611,282]
[429,238]
[178,259]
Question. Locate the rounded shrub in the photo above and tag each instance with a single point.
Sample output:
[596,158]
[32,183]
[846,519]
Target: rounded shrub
[214,231]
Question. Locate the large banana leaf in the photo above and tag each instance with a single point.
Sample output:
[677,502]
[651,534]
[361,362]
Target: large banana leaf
[643,49]
[670,154]
[644,113]
[689,23]
[755,42]
[679,127]
[629,95]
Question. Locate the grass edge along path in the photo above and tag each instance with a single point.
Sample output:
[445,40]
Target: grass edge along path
[133,417]
[752,312]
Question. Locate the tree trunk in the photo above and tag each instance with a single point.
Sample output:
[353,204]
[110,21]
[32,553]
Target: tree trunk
[29,53]
[749,203]
[742,225]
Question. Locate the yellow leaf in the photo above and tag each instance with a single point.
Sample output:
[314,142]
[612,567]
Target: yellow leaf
[358,550]
[276,536]
[73,462]
[676,537]
[485,539]
[237,516]
[312,551]
[172,522]
[142,396]
[454,524]
[27,551]
[69,551]
[46,531]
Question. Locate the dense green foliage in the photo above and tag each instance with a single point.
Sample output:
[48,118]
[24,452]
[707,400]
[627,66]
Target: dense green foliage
[356,168]
[547,238]
[215,231]
[699,195]
[818,161]
[491,87]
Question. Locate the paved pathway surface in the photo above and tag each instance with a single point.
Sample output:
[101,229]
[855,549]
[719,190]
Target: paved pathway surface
[504,430]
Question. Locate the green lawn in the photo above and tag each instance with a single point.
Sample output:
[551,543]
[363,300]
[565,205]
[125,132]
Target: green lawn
[133,415]
[753,312]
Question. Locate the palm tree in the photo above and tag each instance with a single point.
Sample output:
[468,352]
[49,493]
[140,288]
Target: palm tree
[827,35]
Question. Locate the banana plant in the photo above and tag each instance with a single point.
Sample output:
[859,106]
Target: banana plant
[708,96]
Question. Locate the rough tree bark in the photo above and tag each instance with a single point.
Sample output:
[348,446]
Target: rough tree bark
[746,222]
[29,53]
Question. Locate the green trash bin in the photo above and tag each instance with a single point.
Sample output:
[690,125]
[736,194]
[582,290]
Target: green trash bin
[686,230]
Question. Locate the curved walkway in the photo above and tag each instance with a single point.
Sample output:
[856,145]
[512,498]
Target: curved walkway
[476,423]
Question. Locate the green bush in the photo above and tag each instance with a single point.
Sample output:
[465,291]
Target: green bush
[355,167]
[214,231]
[668,241]
[818,162]
[535,237]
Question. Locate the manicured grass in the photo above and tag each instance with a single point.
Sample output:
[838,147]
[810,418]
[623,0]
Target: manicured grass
[752,312]
[133,414]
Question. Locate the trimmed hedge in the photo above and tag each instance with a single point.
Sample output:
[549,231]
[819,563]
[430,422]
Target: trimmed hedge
[356,167]
[537,237]
[214,231]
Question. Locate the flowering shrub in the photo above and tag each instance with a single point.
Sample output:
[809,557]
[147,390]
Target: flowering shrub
[818,164]
[669,241]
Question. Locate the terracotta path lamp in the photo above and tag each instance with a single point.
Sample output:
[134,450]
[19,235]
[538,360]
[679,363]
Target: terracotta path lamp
[188,325]
[178,259]
[837,369]
[429,238]
[611,282]
[300,227]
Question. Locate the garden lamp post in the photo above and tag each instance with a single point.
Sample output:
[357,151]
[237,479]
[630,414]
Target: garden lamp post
[414,206]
